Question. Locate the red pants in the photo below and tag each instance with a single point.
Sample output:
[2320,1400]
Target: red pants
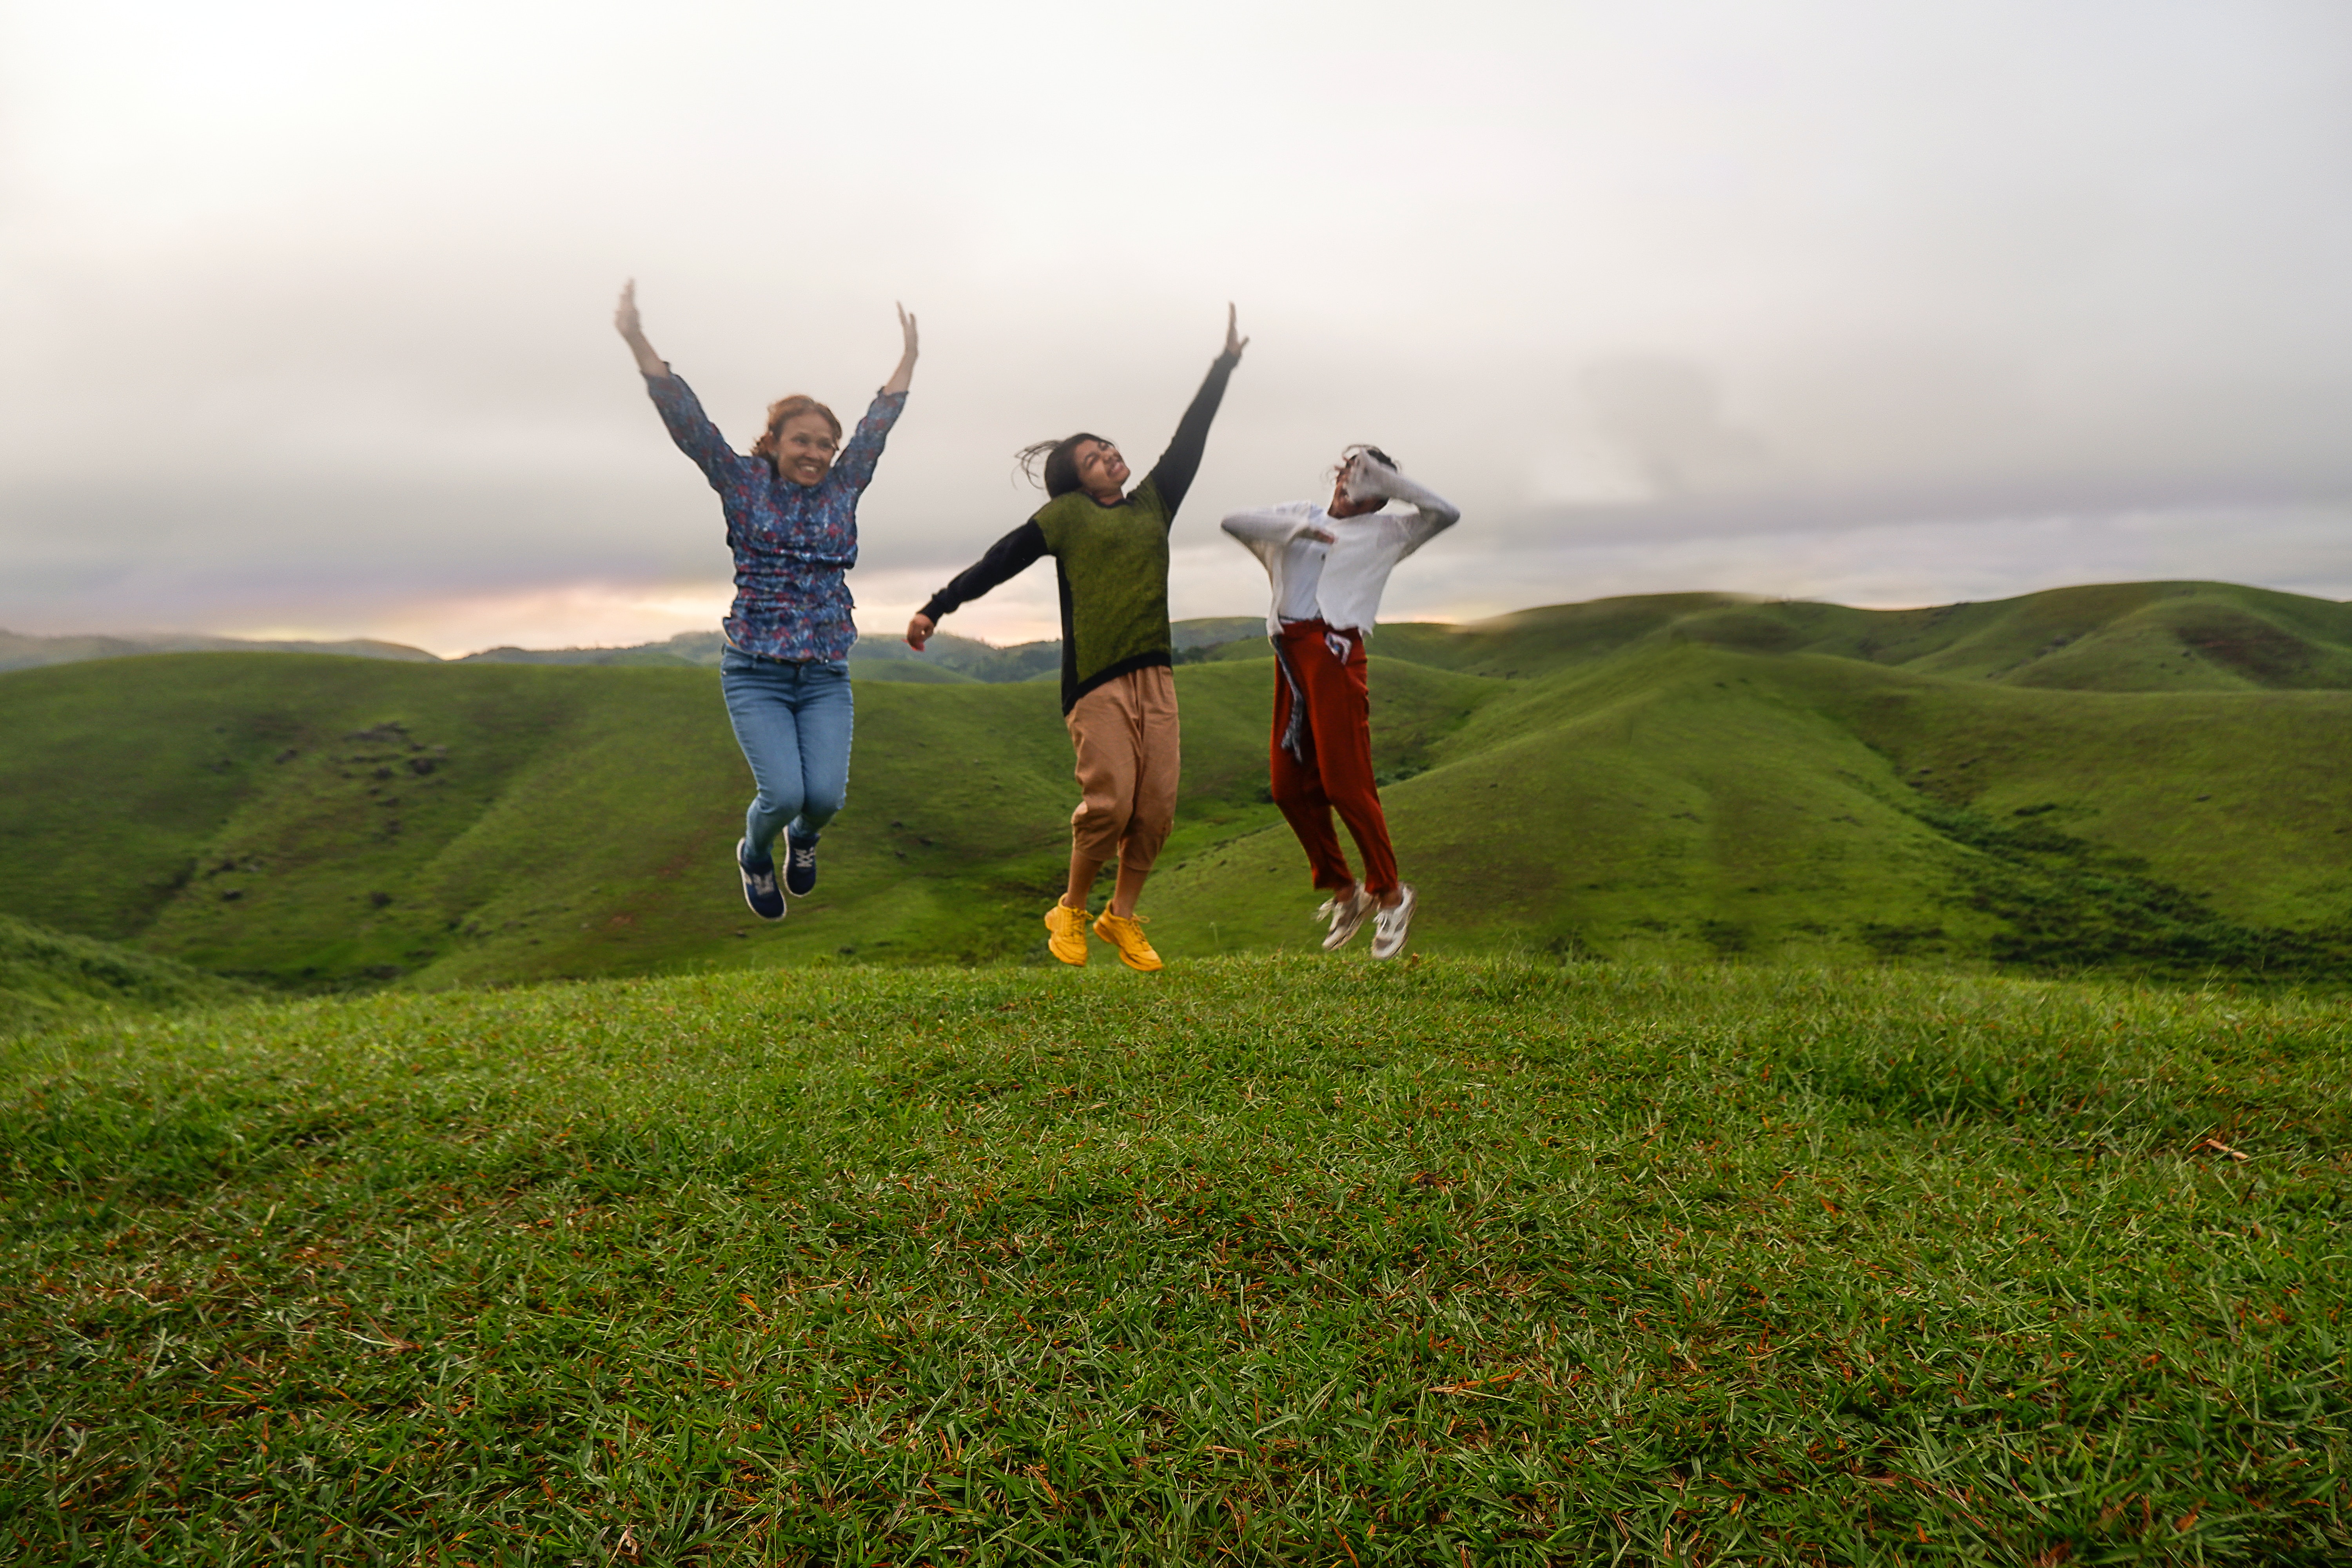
[1321,756]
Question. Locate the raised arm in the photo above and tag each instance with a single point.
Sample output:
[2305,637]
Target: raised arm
[854,466]
[680,410]
[1172,474]
[1431,513]
[1006,559]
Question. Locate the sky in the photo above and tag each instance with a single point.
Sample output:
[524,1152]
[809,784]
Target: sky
[311,306]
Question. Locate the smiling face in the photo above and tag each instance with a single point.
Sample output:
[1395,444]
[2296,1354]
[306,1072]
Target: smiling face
[1102,472]
[804,448]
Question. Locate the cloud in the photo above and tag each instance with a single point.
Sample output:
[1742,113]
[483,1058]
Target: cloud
[309,310]
[1665,417]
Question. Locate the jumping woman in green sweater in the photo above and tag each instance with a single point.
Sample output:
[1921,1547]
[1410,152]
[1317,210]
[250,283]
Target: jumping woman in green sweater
[1118,694]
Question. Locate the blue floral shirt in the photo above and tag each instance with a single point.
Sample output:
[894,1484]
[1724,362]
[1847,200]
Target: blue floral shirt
[792,542]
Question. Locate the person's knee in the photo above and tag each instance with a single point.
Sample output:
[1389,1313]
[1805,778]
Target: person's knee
[1106,825]
[1098,826]
[1139,852]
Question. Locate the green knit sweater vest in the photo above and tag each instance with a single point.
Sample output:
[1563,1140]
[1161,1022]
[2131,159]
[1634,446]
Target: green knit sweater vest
[1114,573]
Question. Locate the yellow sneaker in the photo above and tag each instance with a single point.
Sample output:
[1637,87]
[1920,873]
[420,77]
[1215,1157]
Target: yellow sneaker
[1126,934]
[1065,933]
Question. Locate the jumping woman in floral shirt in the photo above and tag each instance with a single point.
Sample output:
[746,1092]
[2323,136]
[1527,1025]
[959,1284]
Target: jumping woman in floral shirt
[791,522]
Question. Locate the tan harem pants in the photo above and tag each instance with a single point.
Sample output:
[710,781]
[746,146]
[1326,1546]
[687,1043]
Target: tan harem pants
[1127,738]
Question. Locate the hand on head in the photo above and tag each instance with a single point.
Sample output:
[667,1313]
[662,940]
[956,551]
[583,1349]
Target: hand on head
[1353,493]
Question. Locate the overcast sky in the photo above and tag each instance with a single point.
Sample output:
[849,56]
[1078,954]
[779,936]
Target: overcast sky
[311,305]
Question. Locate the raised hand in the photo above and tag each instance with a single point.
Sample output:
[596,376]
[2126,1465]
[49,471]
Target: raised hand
[901,378]
[1363,476]
[1234,341]
[633,331]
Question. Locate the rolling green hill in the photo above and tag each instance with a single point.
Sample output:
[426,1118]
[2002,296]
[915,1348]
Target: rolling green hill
[2142,776]
[47,978]
[2129,636]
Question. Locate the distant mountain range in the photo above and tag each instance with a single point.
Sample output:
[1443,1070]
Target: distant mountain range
[879,656]
[20,652]
[2141,777]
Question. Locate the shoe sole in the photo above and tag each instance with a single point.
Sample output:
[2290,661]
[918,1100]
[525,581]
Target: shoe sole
[1340,938]
[1154,967]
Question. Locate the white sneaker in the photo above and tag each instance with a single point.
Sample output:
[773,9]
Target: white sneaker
[1344,916]
[1390,925]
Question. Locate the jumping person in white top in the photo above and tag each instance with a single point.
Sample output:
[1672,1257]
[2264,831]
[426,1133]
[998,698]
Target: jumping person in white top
[1328,564]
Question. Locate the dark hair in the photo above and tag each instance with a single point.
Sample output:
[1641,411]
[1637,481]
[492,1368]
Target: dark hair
[1059,461]
[781,412]
[1374,453]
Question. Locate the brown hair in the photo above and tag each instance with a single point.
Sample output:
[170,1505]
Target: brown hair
[783,411]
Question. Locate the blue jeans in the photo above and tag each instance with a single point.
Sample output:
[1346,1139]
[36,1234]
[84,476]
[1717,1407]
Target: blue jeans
[792,722]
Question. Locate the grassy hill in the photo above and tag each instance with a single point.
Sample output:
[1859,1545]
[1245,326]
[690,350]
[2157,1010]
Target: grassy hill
[2127,636]
[2143,775]
[47,979]
[1273,1259]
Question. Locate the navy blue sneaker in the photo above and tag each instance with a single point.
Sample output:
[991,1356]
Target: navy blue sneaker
[760,889]
[799,866]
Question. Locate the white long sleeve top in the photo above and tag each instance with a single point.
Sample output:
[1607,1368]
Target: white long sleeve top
[1340,583]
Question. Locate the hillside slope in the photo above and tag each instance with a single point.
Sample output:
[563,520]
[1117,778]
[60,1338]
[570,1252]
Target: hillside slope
[1686,796]
[1685,774]
[47,978]
[326,822]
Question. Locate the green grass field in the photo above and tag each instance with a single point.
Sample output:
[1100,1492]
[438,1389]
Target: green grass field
[1270,1260]
[2142,779]
[1644,1215]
